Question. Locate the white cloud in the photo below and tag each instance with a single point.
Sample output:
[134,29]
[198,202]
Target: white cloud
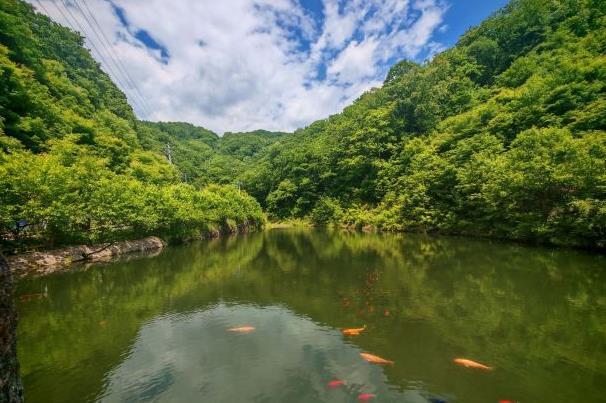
[246,64]
[355,63]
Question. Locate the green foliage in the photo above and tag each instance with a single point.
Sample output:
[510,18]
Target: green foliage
[67,196]
[502,135]
[200,155]
[76,166]
[326,211]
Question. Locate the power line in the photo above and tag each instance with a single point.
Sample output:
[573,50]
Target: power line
[112,53]
[44,8]
[63,15]
[92,43]
[117,69]
[108,47]
[94,46]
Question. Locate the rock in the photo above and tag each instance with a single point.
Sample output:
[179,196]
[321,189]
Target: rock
[58,259]
[11,389]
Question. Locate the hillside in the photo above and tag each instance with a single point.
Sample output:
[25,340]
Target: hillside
[72,166]
[502,135]
[201,156]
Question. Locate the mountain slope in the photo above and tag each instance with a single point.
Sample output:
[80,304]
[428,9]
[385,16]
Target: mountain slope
[502,135]
[72,166]
[201,156]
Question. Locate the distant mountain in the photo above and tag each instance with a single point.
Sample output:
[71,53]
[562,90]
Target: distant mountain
[202,156]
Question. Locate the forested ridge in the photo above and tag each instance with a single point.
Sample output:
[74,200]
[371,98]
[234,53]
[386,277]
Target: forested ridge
[502,135]
[202,156]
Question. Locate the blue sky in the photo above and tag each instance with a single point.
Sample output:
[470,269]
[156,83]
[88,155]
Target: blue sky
[245,64]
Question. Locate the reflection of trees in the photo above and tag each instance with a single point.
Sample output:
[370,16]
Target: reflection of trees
[93,316]
[517,308]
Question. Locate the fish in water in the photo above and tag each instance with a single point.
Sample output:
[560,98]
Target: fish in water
[29,297]
[242,329]
[336,383]
[471,364]
[363,397]
[354,331]
[373,359]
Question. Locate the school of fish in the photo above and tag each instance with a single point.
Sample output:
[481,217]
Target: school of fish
[374,359]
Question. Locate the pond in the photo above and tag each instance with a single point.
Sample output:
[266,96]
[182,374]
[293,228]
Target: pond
[157,328]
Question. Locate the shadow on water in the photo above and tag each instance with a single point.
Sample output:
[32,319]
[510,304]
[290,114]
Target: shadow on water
[155,329]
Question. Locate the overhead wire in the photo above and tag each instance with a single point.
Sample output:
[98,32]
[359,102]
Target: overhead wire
[79,28]
[109,66]
[98,31]
[43,8]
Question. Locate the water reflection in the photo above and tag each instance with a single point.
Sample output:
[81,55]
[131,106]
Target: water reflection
[288,358]
[155,329]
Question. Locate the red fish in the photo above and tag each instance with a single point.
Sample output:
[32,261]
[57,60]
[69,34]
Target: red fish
[336,383]
[29,297]
[471,364]
[507,401]
[373,359]
[353,332]
[363,397]
[242,329]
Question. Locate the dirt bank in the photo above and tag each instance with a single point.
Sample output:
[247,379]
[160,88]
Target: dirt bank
[58,259]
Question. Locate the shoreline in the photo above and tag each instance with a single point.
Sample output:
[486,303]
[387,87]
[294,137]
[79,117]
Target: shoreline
[63,258]
[54,260]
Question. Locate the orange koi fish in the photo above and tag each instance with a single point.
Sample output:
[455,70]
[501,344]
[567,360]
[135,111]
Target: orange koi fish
[363,397]
[29,297]
[471,364]
[242,329]
[353,332]
[336,383]
[373,359]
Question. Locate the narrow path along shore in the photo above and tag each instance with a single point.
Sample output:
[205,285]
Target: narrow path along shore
[58,259]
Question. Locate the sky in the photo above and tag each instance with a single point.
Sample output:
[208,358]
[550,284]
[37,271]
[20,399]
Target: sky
[241,65]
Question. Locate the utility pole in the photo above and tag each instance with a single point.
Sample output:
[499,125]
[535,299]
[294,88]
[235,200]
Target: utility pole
[169,154]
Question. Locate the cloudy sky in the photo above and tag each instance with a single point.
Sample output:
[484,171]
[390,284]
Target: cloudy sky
[239,65]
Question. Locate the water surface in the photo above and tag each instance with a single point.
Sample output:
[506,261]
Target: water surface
[155,329]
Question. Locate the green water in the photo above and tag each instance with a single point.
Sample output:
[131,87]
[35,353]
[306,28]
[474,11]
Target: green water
[155,328]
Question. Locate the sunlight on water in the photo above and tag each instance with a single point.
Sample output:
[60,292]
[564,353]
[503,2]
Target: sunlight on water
[157,329]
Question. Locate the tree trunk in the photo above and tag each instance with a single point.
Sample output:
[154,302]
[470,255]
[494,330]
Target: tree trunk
[11,390]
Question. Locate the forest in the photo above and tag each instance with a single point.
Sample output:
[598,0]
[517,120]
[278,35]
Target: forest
[503,135]
[76,166]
